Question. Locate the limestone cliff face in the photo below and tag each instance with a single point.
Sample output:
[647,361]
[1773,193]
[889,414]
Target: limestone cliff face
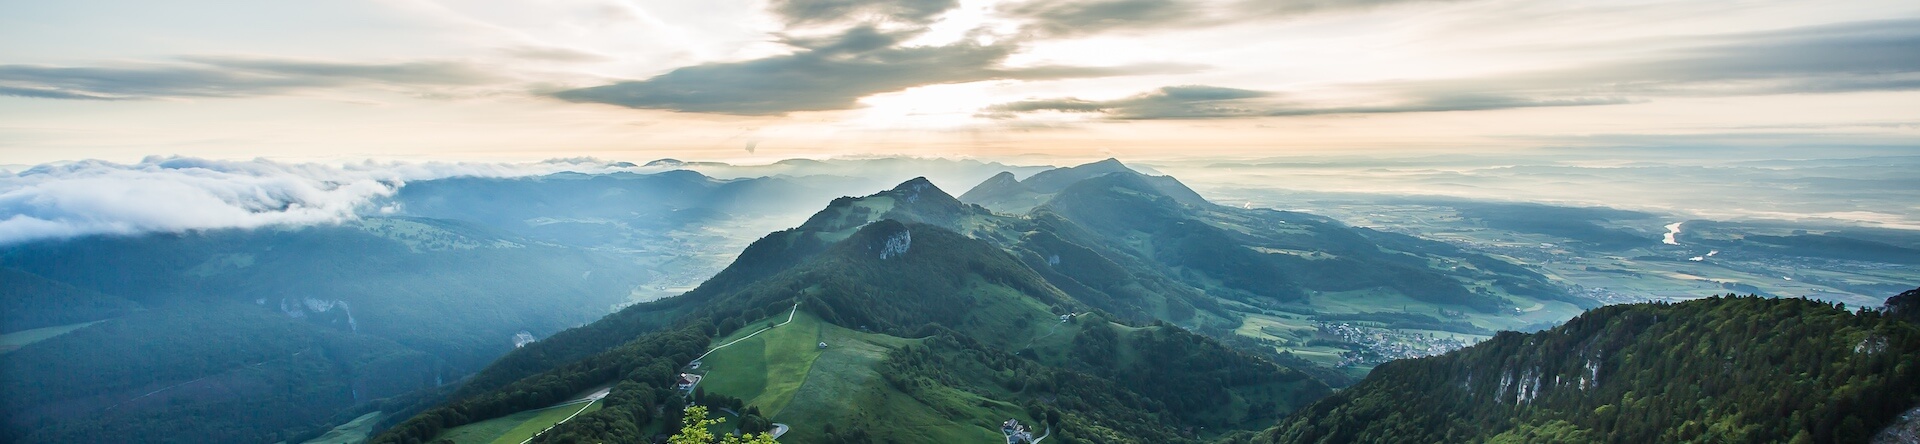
[1905,430]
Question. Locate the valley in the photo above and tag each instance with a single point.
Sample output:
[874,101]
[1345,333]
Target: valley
[1698,264]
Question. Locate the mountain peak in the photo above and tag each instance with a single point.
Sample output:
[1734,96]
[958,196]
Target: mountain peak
[915,184]
[999,187]
[673,163]
[1004,194]
[916,200]
[1054,180]
[919,189]
[689,175]
[1110,165]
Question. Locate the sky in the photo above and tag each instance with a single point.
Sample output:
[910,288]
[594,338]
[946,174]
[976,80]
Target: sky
[757,81]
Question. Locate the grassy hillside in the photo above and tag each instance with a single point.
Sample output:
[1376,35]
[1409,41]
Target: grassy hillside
[1726,369]
[785,374]
[518,427]
[352,432]
[766,369]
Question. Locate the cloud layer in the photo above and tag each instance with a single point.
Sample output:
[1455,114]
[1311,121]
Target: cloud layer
[809,12]
[175,194]
[1824,59]
[228,76]
[1070,18]
[830,73]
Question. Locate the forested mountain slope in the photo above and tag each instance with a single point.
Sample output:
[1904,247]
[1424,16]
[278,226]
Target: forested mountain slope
[1135,249]
[1724,369]
[970,321]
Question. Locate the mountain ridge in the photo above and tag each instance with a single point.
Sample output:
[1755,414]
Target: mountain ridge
[1705,369]
[1082,287]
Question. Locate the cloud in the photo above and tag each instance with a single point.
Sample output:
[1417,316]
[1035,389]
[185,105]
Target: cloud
[1083,17]
[829,73]
[48,93]
[1869,56]
[814,12]
[552,54]
[1065,18]
[1212,102]
[1860,56]
[176,194]
[1173,102]
[227,76]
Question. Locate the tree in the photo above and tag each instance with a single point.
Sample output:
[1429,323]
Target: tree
[761,438]
[694,428]
[694,431]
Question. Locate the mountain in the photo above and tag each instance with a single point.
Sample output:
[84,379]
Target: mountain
[378,314]
[1271,281]
[677,163]
[1723,369]
[857,175]
[947,330]
[1004,194]
[1121,242]
[435,299]
[1115,310]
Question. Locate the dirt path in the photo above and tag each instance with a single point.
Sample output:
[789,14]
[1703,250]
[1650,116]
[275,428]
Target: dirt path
[796,309]
[589,400]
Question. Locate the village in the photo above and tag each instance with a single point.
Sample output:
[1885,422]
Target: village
[1379,345]
[1018,433]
